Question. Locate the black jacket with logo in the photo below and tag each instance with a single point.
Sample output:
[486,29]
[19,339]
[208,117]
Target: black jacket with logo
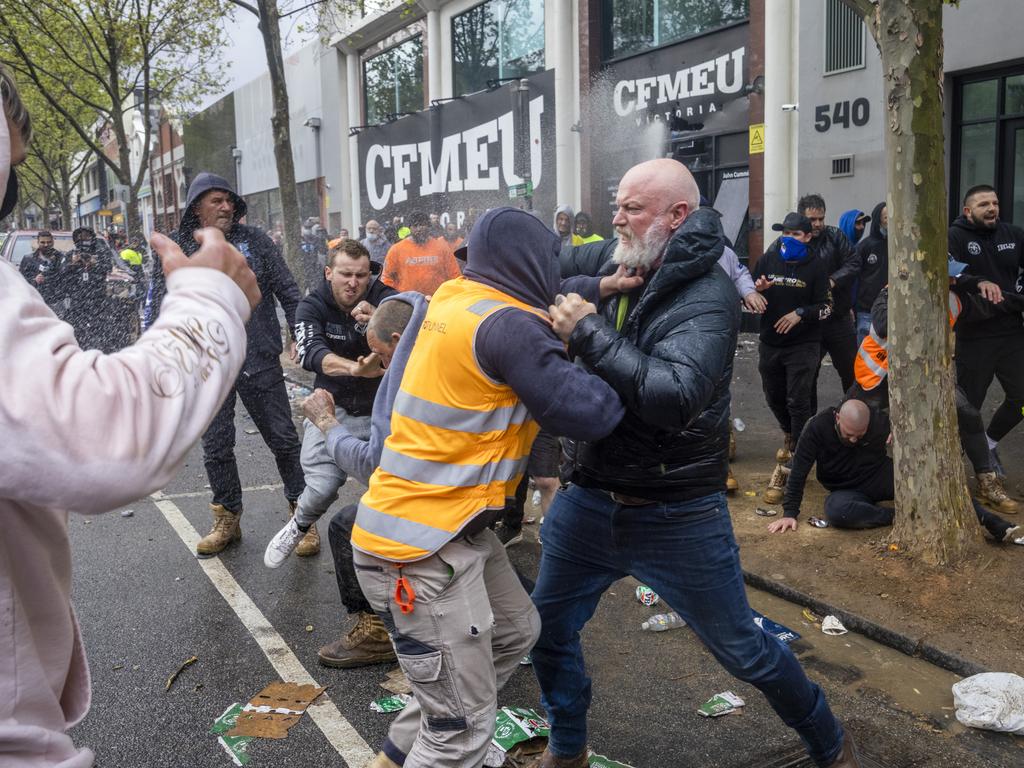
[796,285]
[836,252]
[993,254]
[322,328]
[51,267]
[873,252]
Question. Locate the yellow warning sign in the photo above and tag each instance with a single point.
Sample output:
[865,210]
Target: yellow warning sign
[757,139]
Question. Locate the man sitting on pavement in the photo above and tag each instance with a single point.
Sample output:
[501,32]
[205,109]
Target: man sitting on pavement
[330,329]
[848,446]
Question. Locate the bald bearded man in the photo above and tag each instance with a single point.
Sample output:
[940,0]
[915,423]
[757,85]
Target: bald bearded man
[649,499]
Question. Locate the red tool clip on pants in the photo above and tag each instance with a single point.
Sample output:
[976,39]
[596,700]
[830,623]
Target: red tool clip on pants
[405,596]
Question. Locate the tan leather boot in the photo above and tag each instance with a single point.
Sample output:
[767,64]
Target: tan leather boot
[548,760]
[382,761]
[776,485]
[991,491]
[785,453]
[227,529]
[730,483]
[310,543]
[366,643]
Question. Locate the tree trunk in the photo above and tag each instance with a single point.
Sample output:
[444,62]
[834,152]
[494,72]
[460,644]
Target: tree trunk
[934,518]
[270,28]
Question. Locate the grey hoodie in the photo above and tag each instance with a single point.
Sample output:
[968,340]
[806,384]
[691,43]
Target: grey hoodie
[360,458]
[567,240]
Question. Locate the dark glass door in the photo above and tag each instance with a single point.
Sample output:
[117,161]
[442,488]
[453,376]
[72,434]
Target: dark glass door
[1011,193]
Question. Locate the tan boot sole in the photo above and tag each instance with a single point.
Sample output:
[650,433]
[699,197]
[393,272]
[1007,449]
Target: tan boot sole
[364,661]
[208,549]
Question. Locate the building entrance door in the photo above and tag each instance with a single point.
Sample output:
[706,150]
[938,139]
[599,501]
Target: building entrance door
[1011,193]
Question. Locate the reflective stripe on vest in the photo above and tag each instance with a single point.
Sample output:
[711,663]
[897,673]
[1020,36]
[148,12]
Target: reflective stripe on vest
[459,441]
[872,363]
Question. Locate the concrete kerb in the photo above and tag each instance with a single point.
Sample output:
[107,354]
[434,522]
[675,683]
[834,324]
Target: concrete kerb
[880,634]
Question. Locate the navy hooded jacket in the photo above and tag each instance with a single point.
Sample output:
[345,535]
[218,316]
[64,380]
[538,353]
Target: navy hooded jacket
[272,274]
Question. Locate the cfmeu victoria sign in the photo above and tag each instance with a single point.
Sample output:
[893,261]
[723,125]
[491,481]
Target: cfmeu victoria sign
[458,156]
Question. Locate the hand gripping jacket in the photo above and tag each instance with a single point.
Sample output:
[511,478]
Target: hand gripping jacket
[871,365]
[459,440]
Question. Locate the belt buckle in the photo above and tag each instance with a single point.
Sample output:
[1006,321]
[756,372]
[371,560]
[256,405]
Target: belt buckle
[628,501]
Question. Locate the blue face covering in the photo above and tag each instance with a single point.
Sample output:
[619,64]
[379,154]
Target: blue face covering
[792,249]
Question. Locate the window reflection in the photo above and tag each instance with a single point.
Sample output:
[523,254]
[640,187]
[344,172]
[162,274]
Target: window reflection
[393,81]
[636,25]
[499,38]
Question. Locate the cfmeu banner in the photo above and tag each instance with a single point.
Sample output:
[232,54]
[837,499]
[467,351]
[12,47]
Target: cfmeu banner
[458,157]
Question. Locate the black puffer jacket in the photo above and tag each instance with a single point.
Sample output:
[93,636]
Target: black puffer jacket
[873,252]
[671,364]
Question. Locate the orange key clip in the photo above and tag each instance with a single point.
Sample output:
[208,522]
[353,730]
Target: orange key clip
[405,596]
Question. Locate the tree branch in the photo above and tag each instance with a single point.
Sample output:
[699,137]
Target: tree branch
[250,8]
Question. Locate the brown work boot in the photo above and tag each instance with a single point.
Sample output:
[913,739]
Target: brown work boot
[991,491]
[382,761]
[227,529]
[732,443]
[366,643]
[785,453]
[776,485]
[730,482]
[548,760]
[848,758]
[309,545]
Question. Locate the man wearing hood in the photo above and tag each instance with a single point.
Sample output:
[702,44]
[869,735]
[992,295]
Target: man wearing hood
[994,347]
[485,373]
[649,500]
[563,223]
[375,242]
[211,202]
[873,252]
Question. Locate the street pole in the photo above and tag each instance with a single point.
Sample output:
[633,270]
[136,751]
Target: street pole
[521,129]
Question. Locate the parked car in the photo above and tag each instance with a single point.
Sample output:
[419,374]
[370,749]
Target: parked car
[22,242]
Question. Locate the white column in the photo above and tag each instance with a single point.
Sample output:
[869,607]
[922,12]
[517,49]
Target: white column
[781,87]
[434,55]
[560,33]
[355,115]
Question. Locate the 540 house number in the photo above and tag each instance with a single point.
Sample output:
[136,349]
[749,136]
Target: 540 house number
[842,113]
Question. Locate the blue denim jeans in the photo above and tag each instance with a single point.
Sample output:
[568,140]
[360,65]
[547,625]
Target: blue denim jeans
[686,552]
[863,326]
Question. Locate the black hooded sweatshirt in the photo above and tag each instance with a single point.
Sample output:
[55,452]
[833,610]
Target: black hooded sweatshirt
[992,254]
[834,249]
[796,286]
[322,328]
[275,280]
[873,252]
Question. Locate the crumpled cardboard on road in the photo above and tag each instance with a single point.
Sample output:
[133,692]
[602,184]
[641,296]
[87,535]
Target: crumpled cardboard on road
[275,709]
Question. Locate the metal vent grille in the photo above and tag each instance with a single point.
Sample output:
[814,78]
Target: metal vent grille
[844,38]
[842,166]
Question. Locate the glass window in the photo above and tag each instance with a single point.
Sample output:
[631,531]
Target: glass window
[499,38]
[1018,177]
[393,81]
[977,156]
[635,25]
[979,100]
[1013,103]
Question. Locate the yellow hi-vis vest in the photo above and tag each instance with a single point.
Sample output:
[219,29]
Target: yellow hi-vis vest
[871,365]
[459,440]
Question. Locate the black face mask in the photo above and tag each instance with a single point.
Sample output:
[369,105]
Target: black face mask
[10,196]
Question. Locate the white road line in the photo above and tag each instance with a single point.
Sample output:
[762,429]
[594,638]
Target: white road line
[339,731]
[207,492]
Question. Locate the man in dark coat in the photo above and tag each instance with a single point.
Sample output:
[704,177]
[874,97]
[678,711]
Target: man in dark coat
[649,499]
[212,202]
[84,279]
[873,252]
[43,269]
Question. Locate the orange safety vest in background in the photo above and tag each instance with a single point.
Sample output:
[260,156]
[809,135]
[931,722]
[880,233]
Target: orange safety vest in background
[459,440]
[871,365]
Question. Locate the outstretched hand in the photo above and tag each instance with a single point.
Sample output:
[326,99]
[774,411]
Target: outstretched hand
[782,525]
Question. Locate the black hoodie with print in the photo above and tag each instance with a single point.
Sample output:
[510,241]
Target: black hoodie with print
[873,252]
[992,254]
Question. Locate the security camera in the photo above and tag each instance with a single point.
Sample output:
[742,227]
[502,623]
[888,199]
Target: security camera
[790,107]
[313,122]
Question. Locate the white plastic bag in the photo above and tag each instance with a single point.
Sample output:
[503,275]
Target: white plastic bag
[992,700]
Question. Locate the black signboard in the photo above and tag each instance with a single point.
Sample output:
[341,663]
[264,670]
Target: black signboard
[459,156]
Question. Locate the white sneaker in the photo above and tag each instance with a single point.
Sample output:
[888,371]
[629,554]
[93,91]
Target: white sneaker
[282,545]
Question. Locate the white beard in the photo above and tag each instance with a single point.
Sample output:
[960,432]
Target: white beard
[637,254]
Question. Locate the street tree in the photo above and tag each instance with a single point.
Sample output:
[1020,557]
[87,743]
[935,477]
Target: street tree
[270,28]
[934,519]
[103,65]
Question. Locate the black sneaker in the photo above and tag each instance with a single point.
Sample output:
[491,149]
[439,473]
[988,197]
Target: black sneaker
[508,537]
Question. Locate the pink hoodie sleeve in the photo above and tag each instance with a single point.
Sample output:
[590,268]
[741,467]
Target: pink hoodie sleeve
[88,432]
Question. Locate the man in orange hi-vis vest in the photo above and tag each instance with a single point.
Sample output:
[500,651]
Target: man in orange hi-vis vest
[486,372]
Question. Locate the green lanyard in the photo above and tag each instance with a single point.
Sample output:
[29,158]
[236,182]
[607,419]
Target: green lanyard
[623,311]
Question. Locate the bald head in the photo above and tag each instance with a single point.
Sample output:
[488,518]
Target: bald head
[653,200]
[853,420]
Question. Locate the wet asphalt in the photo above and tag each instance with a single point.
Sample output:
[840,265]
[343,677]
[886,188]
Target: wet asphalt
[146,605]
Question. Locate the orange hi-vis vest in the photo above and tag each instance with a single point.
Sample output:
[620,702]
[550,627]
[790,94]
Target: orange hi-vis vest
[459,440]
[871,365]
